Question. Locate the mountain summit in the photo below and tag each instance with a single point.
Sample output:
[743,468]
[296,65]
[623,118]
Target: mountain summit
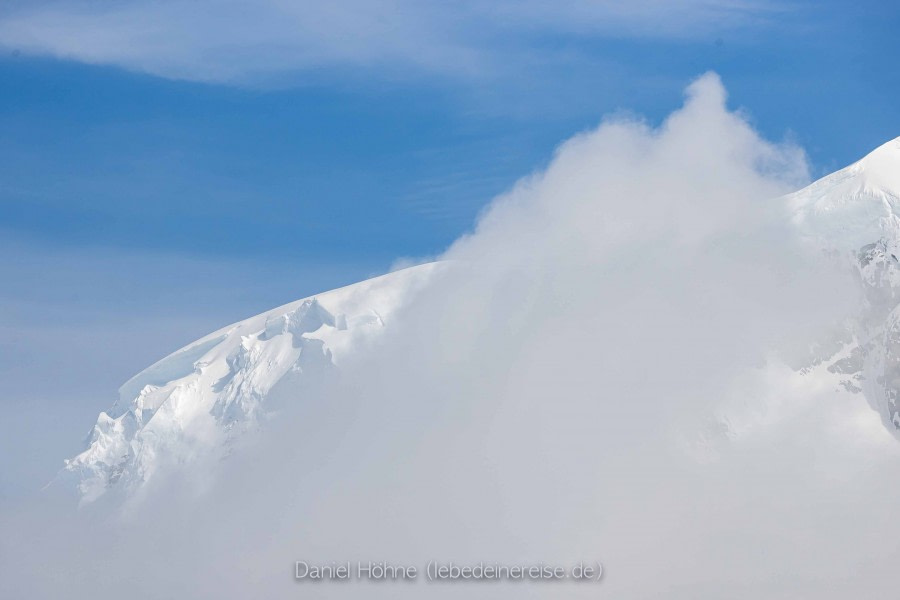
[856,205]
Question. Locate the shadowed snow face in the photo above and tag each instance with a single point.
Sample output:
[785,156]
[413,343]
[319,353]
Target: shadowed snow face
[623,363]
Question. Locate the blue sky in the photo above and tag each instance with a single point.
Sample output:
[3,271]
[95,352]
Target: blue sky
[333,158]
[171,167]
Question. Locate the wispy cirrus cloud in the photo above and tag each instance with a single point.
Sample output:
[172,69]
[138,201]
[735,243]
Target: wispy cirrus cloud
[237,41]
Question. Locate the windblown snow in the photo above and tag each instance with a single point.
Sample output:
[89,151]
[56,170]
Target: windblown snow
[197,400]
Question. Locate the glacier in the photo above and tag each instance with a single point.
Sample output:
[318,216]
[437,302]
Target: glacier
[197,401]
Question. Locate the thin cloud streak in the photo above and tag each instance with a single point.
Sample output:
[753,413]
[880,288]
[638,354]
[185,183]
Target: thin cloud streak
[239,42]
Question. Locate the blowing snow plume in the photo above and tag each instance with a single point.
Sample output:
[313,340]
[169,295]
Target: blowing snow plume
[643,356]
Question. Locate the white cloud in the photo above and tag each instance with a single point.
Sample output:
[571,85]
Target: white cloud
[546,400]
[242,41]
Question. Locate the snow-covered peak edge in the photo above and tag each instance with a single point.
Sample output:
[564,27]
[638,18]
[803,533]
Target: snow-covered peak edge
[854,206]
[195,401]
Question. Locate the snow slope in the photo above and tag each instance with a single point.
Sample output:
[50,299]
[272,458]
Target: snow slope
[855,206]
[192,403]
[854,216]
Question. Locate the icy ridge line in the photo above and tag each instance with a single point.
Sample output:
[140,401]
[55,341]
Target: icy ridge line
[195,401]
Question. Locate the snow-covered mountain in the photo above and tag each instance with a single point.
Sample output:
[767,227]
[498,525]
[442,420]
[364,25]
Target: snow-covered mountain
[197,400]
[854,216]
[193,402]
[855,206]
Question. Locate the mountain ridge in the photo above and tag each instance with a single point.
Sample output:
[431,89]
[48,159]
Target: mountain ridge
[195,400]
